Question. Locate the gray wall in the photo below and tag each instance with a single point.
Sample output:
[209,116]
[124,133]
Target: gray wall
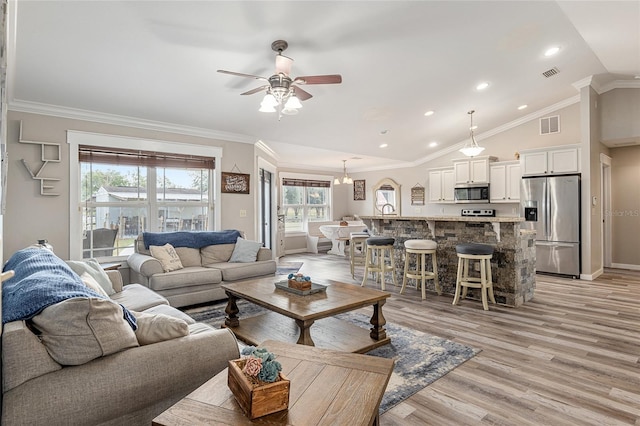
[30,216]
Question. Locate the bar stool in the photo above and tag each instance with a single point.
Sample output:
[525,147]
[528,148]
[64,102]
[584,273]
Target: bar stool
[421,248]
[357,250]
[482,253]
[378,248]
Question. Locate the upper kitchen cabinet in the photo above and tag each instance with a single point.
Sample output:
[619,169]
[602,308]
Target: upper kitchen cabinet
[441,183]
[473,170]
[505,182]
[565,159]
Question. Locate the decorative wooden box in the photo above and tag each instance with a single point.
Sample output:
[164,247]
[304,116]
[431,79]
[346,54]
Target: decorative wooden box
[300,285]
[257,399]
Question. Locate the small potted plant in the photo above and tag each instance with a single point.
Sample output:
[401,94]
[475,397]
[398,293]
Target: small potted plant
[257,382]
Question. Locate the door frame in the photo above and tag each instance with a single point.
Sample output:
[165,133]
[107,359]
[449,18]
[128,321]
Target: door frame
[605,205]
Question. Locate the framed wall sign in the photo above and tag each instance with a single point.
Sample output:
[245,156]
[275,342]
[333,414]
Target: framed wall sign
[417,195]
[359,192]
[235,183]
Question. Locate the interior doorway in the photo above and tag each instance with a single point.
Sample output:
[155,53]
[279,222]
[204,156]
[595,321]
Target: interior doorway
[605,196]
[266,218]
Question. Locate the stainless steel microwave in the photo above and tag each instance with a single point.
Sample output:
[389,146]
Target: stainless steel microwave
[471,193]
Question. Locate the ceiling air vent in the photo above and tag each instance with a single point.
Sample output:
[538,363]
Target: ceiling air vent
[549,125]
[549,73]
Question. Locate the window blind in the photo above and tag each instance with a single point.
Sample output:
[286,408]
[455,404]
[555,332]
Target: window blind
[133,157]
[306,182]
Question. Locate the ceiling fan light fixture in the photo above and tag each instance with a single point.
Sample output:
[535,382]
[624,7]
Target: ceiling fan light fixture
[471,148]
[269,100]
[289,111]
[293,102]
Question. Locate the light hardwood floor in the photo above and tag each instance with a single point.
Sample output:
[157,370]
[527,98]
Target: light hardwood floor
[571,356]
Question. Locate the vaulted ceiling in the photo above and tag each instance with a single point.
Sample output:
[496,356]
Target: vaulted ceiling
[154,63]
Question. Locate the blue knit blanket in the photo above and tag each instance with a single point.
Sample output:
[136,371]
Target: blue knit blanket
[42,279]
[190,239]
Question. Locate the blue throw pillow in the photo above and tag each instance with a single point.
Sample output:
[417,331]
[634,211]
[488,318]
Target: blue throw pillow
[245,251]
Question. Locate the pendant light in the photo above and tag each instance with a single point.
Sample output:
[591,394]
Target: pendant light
[345,178]
[471,149]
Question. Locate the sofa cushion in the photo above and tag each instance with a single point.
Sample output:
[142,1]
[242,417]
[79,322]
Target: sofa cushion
[24,357]
[93,268]
[170,311]
[195,275]
[138,298]
[167,256]
[76,331]
[154,328]
[90,282]
[216,253]
[240,271]
[189,256]
[245,251]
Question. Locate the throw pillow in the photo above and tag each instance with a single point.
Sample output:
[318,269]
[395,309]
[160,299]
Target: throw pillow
[91,283]
[93,268]
[154,328]
[76,331]
[167,256]
[245,251]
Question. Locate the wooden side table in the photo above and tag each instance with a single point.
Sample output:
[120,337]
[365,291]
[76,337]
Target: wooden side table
[327,388]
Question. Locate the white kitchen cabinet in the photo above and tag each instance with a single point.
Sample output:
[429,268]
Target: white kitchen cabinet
[505,182]
[474,170]
[550,161]
[441,183]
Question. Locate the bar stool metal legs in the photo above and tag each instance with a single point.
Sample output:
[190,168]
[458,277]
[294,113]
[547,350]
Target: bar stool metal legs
[421,248]
[474,252]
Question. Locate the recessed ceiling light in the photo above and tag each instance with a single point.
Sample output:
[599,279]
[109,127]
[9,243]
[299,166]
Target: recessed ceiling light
[384,145]
[429,113]
[482,86]
[552,51]
[433,144]
[521,107]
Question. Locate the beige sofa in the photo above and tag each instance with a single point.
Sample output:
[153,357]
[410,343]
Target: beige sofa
[204,270]
[129,387]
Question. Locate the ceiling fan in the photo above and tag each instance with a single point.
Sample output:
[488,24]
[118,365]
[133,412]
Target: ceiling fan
[282,91]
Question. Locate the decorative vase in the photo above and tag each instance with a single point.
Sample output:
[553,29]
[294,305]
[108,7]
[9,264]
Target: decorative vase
[257,398]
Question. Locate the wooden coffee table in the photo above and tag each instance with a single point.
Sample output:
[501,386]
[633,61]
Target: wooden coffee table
[327,388]
[307,320]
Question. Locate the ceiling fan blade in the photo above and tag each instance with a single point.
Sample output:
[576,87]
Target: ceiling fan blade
[239,74]
[256,90]
[301,94]
[283,64]
[319,79]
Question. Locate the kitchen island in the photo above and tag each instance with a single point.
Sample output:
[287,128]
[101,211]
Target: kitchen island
[514,257]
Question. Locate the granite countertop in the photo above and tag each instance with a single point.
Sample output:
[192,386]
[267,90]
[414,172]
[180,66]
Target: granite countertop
[449,218]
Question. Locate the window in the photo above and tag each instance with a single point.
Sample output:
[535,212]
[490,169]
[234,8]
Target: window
[303,201]
[123,192]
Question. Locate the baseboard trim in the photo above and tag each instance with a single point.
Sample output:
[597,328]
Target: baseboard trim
[625,266]
[591,277]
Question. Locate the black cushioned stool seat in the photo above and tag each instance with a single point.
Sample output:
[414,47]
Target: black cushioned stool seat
[379,259]
[380,241]
[474,248]
[474,252]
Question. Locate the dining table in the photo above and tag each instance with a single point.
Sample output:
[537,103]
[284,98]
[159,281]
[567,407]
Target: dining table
[339,234]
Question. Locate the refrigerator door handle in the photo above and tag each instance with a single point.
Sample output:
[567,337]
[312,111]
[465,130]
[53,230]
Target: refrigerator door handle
[545,243]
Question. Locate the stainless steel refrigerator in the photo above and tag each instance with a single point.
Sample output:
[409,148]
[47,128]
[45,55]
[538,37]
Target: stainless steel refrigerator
[551,206]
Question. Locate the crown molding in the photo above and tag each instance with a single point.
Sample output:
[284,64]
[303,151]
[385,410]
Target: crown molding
[119,120]
[620,84]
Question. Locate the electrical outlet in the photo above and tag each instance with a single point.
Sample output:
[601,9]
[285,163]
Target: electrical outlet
[243,213]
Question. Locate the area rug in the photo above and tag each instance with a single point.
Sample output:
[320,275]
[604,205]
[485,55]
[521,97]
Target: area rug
[420,358]
[286,268]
